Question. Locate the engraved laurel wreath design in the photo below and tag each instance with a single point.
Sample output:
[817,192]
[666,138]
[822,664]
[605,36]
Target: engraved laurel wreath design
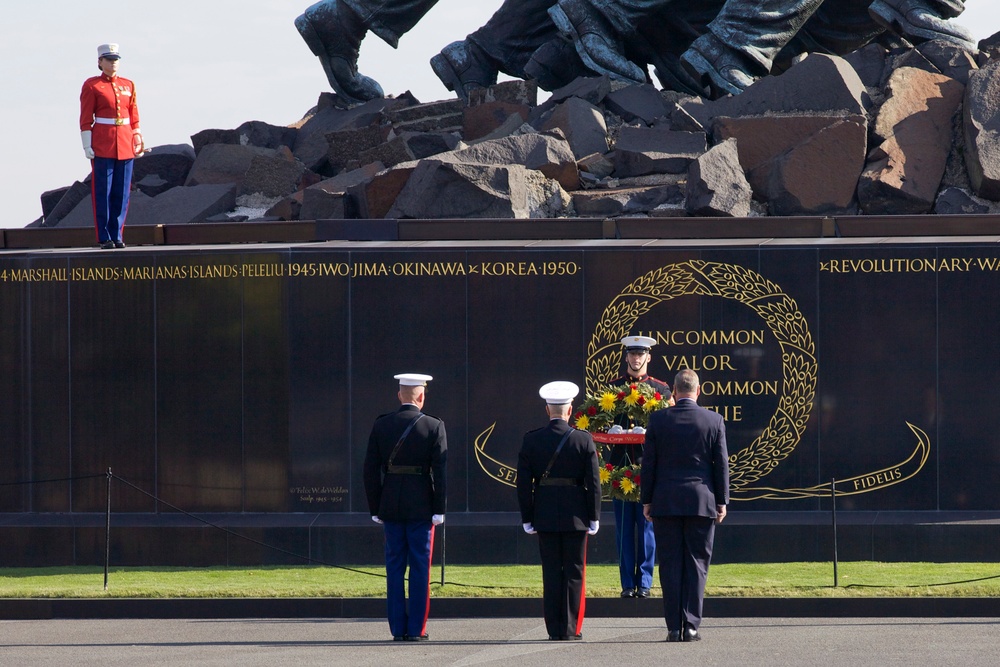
[779,312]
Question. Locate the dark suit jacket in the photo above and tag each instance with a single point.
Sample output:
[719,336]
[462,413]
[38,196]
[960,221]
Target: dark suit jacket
[685,463]
[558,508]
[394,497]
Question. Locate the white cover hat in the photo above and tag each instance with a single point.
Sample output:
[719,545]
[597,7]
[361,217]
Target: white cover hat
[413,379]
[108,51]
[638,342]
[559,392]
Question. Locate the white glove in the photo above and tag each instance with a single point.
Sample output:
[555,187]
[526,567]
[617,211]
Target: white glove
[138,145]
[594,526]
[638,429]
[529,529]
[616,429]
[437,519]
[376,519]
[85,139]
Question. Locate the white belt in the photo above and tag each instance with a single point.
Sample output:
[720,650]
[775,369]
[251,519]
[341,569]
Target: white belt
[110,121]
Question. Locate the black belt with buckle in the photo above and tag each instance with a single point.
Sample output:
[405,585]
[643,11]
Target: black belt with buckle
[560,481]
[405,470]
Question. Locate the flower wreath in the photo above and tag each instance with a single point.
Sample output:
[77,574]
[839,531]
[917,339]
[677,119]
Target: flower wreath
[599,412]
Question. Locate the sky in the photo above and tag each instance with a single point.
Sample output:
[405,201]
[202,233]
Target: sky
[199,65]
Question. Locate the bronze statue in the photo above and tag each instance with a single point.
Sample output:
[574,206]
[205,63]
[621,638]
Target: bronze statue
[333,30]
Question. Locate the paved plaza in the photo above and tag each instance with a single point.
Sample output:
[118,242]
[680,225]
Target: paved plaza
[613,642]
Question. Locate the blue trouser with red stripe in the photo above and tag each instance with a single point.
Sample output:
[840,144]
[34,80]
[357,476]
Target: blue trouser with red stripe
[110,187]
[408,543]
[636,545]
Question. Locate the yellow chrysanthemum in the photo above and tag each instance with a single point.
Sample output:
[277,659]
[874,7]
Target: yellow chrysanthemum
[632,397]
[651,404]
[627,485]
[583,422]
[605,475]
[608,401]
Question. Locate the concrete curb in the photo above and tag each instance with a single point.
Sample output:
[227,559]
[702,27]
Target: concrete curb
[215,608]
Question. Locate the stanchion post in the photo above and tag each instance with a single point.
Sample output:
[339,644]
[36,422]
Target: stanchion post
[833,499]
[107,533]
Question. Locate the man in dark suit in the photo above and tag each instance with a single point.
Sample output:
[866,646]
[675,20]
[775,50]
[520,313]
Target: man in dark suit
[405,483]
[685,490]
[559,492]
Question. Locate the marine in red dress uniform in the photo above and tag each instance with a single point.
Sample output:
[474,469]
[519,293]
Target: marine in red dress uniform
[109,130]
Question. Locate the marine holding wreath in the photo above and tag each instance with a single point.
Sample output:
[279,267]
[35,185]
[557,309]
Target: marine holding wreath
[633,534]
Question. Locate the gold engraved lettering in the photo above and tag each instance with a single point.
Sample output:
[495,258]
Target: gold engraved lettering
[738,337]
[731,413]
[262,270]
[370,270]
[708,362]
[36,275]
[740,388]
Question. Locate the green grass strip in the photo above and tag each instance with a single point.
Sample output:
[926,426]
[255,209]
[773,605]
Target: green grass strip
[856,579]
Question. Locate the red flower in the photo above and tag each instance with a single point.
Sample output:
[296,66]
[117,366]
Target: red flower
[616,483]
[632,387]
[609,466]
[641,400]
[578,415]
[592,410]
[621,394]
[636,479]
[657,396]
[628,473]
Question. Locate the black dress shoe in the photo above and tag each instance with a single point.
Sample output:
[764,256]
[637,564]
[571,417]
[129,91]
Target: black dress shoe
[577,637]
[399,638]
[107,245]
[642,593]
[415,638]
[691,635]
[119,244]
[673,635]
[556,638]
[628,592]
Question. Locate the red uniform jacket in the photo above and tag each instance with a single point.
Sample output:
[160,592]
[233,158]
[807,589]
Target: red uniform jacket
[103,97]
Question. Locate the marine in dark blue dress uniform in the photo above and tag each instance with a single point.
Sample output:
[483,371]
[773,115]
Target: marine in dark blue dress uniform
[559,494]
[405,482]
[633,533]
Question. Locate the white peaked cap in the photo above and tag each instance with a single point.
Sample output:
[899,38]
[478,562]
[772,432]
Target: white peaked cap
[644,342]
[108,51]
[413,379]
[559,393]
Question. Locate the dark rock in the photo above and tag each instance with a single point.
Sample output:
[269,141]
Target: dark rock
[426,144]
[869,63]
[272,176]
[322,205]
[374,198]
[641,102]
[582,124]
[50,198]
[761,139]
[265,135]
[345,146]
[288,208]
[311,145]
[443,116]
[949,59]
[596,164]
[716,185]
[518,92]
[213,136]
[818,176]
[70,200]
[904,173]
[546,153]
[610,203]
[185,204]
[818,83]
[990,46]
[589,89]
[389,153]
[641,150]
[163,168]
[982,129]
[483,119]
[223,163]
[955,201]
[438,190]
